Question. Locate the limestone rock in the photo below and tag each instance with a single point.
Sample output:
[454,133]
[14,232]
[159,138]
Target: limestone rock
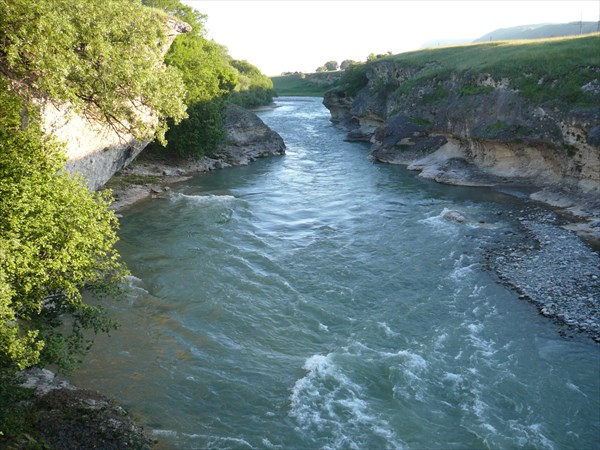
[67,417]
[248,138]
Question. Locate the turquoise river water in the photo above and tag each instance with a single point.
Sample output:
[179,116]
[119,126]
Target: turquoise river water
[319,301]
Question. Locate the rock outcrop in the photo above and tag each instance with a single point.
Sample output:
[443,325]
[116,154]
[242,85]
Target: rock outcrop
[247,138]
[66,417]
[93,149]
[474,129]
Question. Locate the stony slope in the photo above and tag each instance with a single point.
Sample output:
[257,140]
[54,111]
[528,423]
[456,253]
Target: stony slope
[94,149]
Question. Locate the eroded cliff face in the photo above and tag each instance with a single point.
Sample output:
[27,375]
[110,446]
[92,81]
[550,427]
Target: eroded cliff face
[477,130]
[94,149]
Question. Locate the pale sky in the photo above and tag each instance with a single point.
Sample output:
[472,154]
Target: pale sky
[290,35]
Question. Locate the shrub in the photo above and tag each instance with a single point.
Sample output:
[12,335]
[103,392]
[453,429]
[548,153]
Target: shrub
[57,239]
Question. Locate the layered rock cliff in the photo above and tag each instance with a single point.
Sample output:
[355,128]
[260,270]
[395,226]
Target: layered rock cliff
[476,128]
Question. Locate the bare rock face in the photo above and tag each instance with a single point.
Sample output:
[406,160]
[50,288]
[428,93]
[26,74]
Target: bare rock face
[339,106]
[95,150]
[248,138]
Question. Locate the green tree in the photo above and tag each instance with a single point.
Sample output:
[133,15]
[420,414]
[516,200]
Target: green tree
[104,58]
[331,65]
[211,78]
[186,13]
[347,63]
[203,67]
[56,239]
[353,79]
[253,88]
[200,134]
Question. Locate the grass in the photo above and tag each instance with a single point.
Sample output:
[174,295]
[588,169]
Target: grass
[555,55]
[498,126]
[469,89]
[305,85]
[541,69]
[420,122]
[570,149]
[121,181]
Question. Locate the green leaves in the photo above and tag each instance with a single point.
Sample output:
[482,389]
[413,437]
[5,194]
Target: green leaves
[202,66]
[253,89]
[56,239]
[102,57]
[210,76]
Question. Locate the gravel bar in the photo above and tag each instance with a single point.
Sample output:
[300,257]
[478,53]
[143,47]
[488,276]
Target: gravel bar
[554,269]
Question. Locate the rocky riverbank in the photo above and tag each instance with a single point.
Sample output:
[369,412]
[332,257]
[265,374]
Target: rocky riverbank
[61,416]
[247,139]
[552,268]
[459,116]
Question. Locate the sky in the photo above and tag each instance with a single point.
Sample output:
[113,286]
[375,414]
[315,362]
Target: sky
[301,35]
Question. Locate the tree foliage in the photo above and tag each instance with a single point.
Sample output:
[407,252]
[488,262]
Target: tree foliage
[329,66]
[104,58]
[347,63]
[253,88]
[203,66]
[186,13]
[56,238]
[199,134]
[211,78]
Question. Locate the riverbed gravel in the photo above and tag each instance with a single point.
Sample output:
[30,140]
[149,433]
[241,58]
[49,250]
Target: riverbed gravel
[554,269]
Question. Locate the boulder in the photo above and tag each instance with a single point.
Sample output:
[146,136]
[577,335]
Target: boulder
[247,138]
[454,216]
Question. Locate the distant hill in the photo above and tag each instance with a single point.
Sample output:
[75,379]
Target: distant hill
[444,42]
[538,31]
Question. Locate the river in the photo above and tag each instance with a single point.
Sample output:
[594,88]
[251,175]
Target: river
[320,301]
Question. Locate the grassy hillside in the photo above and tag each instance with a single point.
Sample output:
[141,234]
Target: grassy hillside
[540,31]
[305,85]
[541,69]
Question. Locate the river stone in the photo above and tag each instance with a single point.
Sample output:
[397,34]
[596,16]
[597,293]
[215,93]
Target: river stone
[454,216]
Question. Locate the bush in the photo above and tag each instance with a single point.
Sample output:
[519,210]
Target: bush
[353,79]
[198,135]
[57,239]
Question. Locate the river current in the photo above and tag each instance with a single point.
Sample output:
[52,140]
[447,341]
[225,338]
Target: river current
[320,301]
